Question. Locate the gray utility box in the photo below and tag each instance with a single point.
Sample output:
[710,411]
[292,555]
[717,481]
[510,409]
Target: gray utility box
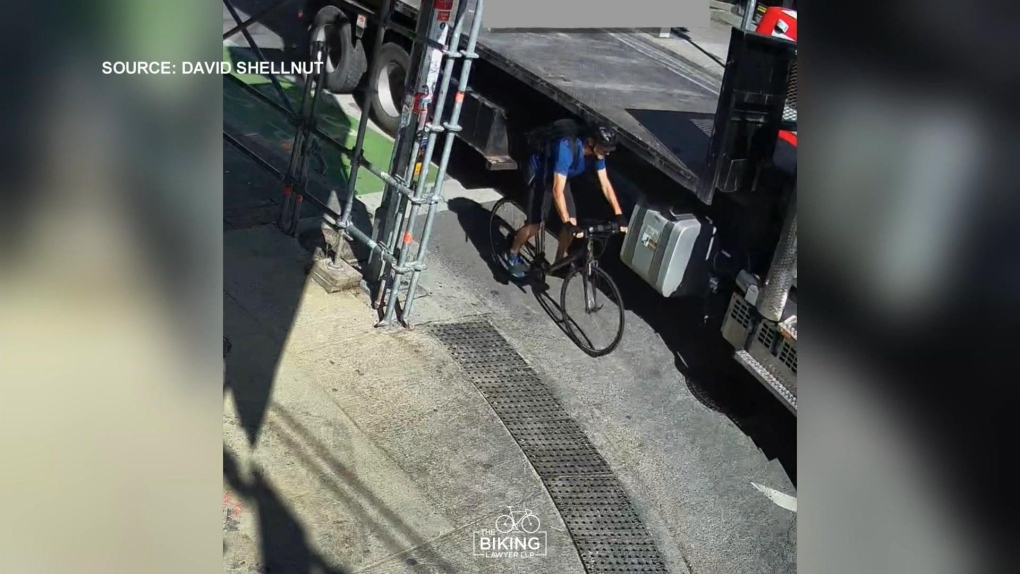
[671,252]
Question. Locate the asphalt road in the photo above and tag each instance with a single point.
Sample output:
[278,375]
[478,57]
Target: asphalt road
[687,431]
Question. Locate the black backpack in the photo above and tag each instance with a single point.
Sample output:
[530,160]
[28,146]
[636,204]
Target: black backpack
[541,139]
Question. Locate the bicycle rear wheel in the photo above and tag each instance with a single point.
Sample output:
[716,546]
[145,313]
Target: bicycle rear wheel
[507,217]
[592,310]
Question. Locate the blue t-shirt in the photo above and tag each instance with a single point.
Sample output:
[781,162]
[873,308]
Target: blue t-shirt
[563,162]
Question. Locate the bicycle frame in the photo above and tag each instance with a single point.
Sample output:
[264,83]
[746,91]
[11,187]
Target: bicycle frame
[590,262]
[589,257]
[594,280]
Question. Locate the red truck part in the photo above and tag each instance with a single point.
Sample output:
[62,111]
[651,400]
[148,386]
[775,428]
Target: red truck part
[779,23]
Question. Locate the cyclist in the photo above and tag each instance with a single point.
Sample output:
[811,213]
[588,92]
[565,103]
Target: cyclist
[549,184]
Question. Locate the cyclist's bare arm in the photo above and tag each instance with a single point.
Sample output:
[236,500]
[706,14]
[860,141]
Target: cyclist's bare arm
[609,192]
[559,184]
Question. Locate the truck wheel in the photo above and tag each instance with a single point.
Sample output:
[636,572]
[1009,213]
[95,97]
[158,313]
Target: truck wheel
[388,85]
[347,62]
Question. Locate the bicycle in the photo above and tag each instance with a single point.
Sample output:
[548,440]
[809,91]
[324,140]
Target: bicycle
[585,271]
[527,522]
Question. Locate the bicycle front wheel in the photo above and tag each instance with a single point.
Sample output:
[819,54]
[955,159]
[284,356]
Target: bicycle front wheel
[592,310]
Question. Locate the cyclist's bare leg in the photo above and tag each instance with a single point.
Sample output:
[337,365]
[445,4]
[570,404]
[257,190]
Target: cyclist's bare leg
[565,240]
[522,237]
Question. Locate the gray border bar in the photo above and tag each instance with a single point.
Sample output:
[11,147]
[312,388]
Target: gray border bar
[588,14]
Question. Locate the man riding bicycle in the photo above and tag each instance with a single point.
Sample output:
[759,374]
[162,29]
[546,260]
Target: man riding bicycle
[550,172]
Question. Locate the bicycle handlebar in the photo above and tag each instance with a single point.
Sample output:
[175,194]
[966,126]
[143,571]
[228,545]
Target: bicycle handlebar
[599,229]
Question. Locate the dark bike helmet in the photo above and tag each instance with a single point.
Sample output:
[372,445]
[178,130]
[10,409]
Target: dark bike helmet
[604,136]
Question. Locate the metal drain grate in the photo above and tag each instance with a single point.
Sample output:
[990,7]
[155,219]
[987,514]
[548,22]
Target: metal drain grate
[607,532]
[603,524]
[556,446]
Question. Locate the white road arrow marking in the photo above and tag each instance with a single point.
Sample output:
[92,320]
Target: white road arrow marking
[782,500]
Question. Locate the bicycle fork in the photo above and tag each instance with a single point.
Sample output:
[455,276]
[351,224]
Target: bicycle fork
[590,292]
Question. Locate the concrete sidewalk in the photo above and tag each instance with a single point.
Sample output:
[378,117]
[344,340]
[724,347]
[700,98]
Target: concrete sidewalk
[353,449]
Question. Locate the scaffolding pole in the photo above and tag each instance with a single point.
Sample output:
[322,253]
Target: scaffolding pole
[423,157]
[296,194]
[297,150]
[406,179]
[452,127]
[322,136]
[749,9]
[419,88]
[359,142]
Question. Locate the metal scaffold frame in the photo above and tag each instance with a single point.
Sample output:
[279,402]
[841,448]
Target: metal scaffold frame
[407,190]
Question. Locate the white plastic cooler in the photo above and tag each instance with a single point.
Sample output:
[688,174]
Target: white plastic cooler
[670,252]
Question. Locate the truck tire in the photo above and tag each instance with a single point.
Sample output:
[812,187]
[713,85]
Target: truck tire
[347,63]
[388,83]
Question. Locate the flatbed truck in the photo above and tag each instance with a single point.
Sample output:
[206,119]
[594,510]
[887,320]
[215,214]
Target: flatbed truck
[698,146]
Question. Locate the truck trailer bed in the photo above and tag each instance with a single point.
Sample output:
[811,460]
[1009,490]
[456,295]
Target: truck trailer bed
[662,105]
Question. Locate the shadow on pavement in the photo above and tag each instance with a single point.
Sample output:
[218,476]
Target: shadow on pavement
[256,347]
[252,199]
[546,297]
[686,35]
[346,488]
[262,298]
[475,220]
[265,275]
[702,356]
[285,546]
[706,361]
